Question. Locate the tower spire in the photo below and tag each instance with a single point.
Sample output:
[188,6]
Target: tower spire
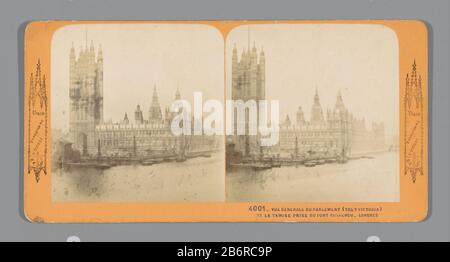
[316,95]
[248,37]
[155,100]
[339,102]
[72,53]
[155,114]
[86,37]
[316,110]
[100,53]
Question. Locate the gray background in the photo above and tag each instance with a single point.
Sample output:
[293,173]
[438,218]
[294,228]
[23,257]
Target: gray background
[15,14]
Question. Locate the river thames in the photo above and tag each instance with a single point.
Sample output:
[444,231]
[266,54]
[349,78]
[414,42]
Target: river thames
[203,180]
[195,180]
[360,180]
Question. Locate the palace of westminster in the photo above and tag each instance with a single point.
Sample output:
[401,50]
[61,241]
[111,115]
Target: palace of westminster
[91,135]
[335,132]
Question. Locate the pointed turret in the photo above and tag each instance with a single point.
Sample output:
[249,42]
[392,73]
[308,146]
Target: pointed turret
[262,76]
[339,101]
[316,110]
[91,48]
[138,115]
[155,114]
[125,119]
[234,58]
[287,121]
[85,38]
[91,54]
[316,97]
[155,100]
[81,52]
[300,116]
[262,57]
[72,62]
[100,54]
[254,54]
[339,107]
[72,54]
[245,57]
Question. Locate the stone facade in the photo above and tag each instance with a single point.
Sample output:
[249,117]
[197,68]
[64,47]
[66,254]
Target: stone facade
[338,133]
[92,136]
[334,133]
[86,96]
[328,136]
[248,83]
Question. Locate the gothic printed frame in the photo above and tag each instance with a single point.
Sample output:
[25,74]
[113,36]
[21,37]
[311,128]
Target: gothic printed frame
[414,127]
[37,124]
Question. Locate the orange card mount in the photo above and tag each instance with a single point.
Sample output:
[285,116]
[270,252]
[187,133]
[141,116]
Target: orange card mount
[226,121]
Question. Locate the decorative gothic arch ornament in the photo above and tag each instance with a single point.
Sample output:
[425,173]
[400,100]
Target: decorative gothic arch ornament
[414,125]
[37,124]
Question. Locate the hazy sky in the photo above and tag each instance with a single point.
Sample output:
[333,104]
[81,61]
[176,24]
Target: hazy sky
[359,60]
[137,56]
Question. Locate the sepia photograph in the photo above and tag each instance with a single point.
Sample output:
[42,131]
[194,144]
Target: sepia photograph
[113,86]
[336,118]
[312,113]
